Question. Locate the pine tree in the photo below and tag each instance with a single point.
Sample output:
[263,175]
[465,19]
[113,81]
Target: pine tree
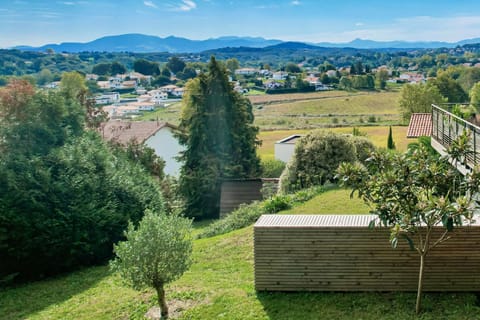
[219,138]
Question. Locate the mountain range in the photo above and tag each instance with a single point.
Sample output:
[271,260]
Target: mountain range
[146,43]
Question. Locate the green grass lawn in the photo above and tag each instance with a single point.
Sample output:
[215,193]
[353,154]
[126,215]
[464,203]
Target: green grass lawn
[219,285]
[333,201]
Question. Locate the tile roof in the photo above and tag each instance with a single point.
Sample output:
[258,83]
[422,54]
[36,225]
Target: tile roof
[420,125]
[125,131]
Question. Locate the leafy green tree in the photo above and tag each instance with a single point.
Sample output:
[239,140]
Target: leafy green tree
[390,143]
[292,68]
[166,73]
[155,254]
[44,76]
[475,96]
[450,89]
[175,64]
[412,193]
[345,83]
[219,138]
[232,64]
[381,78]
[146,67]
[468,77]
[418,98]
[187,73]
[117,68]
[102,69]
[72,85]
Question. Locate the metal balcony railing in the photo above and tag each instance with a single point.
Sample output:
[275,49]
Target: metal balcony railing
[446,127]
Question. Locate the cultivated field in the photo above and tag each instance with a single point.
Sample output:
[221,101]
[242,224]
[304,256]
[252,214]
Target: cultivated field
[330,111]
[310,110]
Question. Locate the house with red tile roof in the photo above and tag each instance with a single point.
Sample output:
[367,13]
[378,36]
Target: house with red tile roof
[420,125]
[157,135]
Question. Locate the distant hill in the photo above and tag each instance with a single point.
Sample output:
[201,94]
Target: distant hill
[370,44]
[144,43]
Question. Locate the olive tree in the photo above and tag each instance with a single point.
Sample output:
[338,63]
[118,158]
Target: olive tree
[156,253]
[414,192]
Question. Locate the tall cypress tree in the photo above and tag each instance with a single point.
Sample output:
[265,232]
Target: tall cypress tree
[219,137]
[390,143]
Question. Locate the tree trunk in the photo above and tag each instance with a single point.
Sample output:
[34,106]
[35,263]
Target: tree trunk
[420,283]
[162,302]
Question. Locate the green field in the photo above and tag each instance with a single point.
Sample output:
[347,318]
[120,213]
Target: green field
[219,285]
[309,110]
[170,113]
[375,108]
[378,135]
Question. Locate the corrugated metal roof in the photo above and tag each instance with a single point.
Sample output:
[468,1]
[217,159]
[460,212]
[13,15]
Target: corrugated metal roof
[282,220]
[273,220]
[420,125]
[290,140]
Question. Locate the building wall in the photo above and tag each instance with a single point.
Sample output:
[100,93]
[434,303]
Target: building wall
[167,147]
[284,151]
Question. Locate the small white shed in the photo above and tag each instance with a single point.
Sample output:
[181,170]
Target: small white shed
[285,148]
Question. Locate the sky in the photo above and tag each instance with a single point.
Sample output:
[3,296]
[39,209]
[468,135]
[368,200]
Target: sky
[40,22]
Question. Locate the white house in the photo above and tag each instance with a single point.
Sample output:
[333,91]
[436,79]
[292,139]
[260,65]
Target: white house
[178,92]
[285,148]
[157,135]
[115,82]
[246,71]
[280,75]
[107,98]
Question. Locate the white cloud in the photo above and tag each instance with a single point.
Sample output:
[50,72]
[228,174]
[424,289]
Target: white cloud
[187,5]
[296,2]
[150,4]
[359,24]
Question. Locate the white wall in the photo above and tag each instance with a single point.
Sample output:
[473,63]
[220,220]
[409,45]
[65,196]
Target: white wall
[284,151]
[167,147]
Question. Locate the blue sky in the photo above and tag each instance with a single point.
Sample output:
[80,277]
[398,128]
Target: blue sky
[24,22]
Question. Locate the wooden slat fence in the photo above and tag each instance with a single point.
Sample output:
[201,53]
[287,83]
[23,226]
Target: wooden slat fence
[340,253]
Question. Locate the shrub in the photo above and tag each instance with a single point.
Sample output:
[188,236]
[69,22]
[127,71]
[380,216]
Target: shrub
[317,156]
[66,210]
[247,214]
[277,203]
[272,168]
[363,147]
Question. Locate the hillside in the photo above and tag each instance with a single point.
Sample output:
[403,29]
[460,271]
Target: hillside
[148,43]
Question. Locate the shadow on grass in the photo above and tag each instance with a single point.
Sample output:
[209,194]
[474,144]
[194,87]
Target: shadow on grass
[24,300]
[375,305]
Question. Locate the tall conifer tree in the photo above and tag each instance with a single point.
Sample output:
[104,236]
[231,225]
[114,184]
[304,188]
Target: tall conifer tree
[219,137]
